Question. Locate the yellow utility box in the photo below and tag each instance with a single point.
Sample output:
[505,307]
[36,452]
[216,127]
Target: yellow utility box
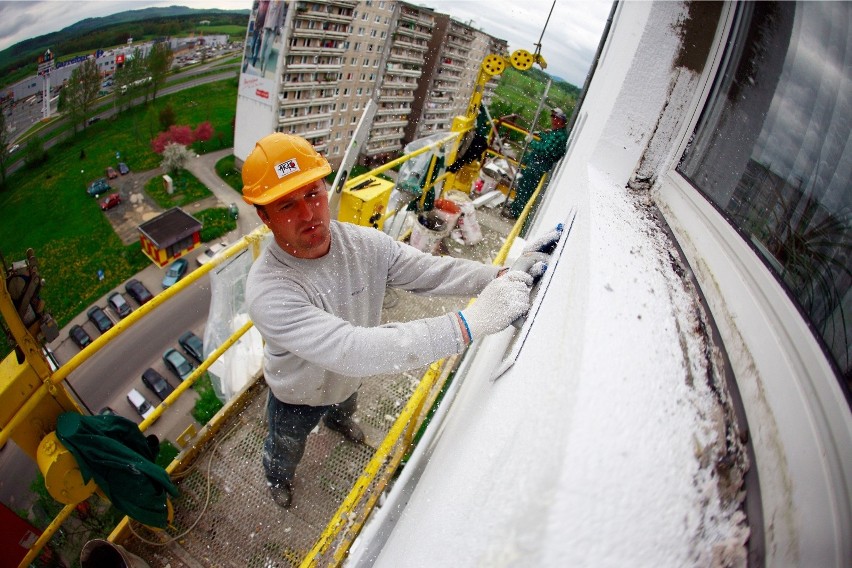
[365,202]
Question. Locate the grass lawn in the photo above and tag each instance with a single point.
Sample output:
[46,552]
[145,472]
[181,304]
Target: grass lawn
[47,208]
[186,189]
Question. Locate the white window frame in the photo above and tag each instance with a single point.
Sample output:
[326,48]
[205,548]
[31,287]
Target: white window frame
[792,399]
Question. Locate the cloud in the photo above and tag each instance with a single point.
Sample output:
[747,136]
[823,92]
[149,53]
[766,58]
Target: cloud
[570,39]
[568,45]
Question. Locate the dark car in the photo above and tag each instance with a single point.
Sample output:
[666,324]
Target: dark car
[79,336]
[138,291]
[119,304]
[99,318]
[107,411]
[177,363]
[157,383]
[98,187]
[175,272]
[193,345]
[123,169]
[111,201]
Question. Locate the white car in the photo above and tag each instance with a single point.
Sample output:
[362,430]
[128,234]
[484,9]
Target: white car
[209,253]
[13,148]
[139,403]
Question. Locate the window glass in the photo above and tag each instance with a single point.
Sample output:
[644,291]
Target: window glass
[772,151]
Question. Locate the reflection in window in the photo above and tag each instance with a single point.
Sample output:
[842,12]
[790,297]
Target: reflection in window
[773,152]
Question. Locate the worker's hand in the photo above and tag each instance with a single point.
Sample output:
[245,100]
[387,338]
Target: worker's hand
[546,243]
[504,300]
[536,254]
[533,263]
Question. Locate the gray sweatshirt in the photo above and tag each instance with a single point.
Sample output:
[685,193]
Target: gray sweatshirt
[320,318]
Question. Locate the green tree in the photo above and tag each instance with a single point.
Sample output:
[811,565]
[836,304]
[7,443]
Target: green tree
[35,153]
[78,96]
[167,117]
[128,78]
[159,63]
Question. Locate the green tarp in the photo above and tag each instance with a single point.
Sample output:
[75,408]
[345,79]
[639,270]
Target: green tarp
[112,451]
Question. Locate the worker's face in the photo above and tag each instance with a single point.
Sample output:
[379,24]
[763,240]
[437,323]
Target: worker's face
[300,221]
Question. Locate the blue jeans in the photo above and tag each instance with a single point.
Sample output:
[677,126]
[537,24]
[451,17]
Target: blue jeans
[289,426]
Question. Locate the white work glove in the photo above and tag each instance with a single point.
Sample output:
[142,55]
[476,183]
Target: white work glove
[546,243]
[504,300]
[536,254]
[533,263]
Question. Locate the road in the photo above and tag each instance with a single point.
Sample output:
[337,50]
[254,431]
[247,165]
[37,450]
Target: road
[105,379]
[172,86]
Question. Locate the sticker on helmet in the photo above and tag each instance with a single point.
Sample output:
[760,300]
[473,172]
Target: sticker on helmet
[283,169]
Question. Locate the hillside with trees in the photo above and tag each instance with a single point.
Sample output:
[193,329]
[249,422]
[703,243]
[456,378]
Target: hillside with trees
[19,60]
[520,92]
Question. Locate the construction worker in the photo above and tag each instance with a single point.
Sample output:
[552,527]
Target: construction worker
[541,155]
[315,294]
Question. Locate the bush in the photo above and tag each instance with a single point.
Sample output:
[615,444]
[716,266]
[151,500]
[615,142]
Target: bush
[208,404]
[227,170]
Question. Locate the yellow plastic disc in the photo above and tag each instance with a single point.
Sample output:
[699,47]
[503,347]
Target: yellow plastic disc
[493,64]
[522,60]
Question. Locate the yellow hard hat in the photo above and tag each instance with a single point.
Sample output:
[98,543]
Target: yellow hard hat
[278,165]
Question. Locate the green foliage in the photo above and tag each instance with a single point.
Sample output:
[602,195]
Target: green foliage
[167,117]
[159,63]
[226,169]
[520,92]
[47,209]
[187,189]
[19,60]
[168,452]
[216,222]
[79,94]
[208,403]
[35,154]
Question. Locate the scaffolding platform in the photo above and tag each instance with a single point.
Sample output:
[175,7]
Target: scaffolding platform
[225,517]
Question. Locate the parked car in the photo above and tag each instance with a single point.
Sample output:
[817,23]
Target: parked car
[99,318]
[118,303]
[111,173]
[107,411]
[98,187]
[123,169]
[233,211]
[111,201]
[193,345]
[94,119]
[177,363]
[138,291]
[79,336]
[157,383]
[175,272]
[139,403]
[209,253]
[13,148]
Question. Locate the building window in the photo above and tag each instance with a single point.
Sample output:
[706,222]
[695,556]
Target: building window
[771,151]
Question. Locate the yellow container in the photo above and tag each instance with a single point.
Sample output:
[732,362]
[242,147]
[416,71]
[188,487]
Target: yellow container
[365,203]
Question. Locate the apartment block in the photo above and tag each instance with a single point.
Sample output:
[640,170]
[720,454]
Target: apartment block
[310,68]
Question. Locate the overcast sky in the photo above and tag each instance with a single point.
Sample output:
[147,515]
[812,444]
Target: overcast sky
[568,45]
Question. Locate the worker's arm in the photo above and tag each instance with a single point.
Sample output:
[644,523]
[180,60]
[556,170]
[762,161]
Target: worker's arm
[419,272]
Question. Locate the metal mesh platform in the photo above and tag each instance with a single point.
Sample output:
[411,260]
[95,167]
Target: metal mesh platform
[225,516]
